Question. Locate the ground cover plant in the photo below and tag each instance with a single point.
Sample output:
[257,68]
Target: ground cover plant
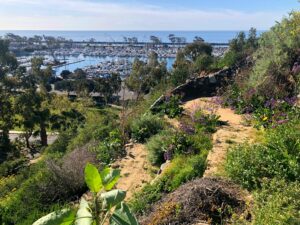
[278,157]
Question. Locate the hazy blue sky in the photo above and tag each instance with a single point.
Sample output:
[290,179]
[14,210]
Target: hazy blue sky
[142,14]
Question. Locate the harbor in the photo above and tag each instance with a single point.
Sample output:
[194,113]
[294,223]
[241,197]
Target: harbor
[103,60]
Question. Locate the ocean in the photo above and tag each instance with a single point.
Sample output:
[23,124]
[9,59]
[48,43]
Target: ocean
[143,36]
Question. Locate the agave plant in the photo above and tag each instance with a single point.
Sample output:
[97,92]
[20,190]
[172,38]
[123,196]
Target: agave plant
[106,206]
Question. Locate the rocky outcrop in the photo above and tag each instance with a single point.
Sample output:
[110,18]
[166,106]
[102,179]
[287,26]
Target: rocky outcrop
[204,86]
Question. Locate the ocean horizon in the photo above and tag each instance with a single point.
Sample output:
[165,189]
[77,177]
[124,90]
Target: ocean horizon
[144,36]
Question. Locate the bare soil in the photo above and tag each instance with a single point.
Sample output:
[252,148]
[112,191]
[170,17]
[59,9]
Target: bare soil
[233,132]
[134,169]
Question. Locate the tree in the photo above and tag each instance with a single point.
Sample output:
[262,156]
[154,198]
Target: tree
[172,38]
[8,61]
[27,106]
[7,122]
[202,63]
[65,74]
[155,39]
[197,48]
[252,41]
[197,38]
[138,81]
[79,74]
[180,69]
[108,86]
[8,64]
[36,89]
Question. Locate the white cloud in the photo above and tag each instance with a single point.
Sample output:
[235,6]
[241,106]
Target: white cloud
[86,15]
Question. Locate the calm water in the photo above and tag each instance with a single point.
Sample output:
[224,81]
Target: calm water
[94,60]
[209,36]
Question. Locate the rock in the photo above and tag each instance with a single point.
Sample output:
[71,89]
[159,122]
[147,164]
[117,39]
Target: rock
[212,80]
[131,155]
[163,166]
[36,155]
[129,145]
[115,166]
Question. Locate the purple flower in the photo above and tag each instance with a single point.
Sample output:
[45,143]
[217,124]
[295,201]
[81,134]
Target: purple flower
[187,128]
[272,103]
[282,121]
[291,101]
[296,68]
[251,92]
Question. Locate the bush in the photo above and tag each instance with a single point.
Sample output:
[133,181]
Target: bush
[181,170]
[168,144]
[110,148]
[11,167]
[145,127]
[66,177]
[279,157]
[277,203]
[157,146]
[171,107]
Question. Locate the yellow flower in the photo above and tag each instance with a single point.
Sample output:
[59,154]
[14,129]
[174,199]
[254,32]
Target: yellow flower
[265,118]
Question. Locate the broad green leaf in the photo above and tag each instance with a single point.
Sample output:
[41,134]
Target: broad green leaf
[84,215]
[62,217]
[112,198]
[109,178]
[123,216]
[92,178]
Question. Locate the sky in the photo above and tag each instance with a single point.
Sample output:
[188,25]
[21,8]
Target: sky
[142,14]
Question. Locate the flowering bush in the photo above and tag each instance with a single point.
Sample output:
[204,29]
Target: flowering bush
[171,107]
[205,118]
[275,112]
[278,157]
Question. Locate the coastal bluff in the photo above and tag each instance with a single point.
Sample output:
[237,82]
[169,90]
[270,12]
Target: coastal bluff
[202,86]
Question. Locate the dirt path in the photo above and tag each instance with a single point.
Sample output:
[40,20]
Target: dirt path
[234,132]
[134,169]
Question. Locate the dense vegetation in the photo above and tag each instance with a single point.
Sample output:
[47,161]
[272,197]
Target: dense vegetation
[37,178]
[267,90]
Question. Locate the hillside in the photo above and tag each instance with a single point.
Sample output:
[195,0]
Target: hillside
[213,141]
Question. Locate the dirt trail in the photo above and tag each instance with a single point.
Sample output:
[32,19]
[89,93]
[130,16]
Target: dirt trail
[134,169]
[234,132]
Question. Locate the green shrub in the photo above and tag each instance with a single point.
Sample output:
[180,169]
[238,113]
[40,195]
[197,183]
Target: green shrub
[12,166]
[201,141]
[157,146]
[277,203]
[60,145]
[181,170]
[171,107]
[142,200]
[110,148]
[145,127]
[206,121]
[184,169]
[168,144]
[279,157]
